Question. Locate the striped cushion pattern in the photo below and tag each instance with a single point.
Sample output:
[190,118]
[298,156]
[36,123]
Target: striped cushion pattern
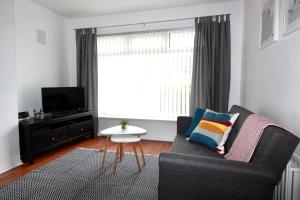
[213,130]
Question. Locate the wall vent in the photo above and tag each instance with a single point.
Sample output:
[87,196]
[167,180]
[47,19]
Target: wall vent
[41,36]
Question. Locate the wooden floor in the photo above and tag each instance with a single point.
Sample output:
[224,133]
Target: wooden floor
[149,147]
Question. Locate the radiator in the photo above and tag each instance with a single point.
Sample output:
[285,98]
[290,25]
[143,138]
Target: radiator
[289,186]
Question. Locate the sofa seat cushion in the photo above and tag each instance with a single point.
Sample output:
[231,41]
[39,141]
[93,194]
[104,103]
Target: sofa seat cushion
[180,145]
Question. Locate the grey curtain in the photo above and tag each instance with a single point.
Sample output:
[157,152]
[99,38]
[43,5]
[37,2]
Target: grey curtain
[87,68]
[211,64]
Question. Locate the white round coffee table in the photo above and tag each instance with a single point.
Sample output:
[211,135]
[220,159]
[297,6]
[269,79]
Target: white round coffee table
[118,131]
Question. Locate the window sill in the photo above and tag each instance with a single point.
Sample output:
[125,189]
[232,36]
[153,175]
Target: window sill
[139,119]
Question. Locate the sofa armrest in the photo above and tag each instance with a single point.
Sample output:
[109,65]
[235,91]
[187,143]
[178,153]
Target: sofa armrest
[183,124]
[196,177]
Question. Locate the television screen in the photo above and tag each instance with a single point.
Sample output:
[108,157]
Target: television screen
[62,99]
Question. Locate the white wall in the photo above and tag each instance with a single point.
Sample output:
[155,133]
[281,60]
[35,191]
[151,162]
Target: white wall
[164,130]
[271,75]
[25,67]
[38,65]
[9,139]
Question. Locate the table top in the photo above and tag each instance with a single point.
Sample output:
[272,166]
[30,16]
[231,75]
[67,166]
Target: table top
[125,138]
[117,130]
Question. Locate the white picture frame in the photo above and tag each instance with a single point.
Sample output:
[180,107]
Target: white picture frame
[269,22]
[291,16]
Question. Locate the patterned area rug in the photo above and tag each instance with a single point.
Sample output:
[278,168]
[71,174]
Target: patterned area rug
[79,175]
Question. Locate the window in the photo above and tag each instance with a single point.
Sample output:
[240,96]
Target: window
[145,75]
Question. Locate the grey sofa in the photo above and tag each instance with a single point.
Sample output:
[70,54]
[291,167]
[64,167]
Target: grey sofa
[194,172]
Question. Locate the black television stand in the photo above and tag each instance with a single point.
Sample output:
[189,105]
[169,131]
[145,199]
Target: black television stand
[38,136]
[64,114]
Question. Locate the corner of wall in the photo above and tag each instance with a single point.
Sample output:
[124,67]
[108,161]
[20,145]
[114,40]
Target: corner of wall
[9,143]
[243,67]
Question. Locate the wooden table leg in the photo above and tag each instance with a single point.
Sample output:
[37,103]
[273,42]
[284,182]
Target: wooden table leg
[105,151]
[121,151]
[117,157]
[143,157]
[137,158]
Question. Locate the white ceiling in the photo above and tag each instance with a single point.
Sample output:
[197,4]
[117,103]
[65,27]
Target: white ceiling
[84,8]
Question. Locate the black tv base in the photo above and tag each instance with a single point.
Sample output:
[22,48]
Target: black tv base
[38,136]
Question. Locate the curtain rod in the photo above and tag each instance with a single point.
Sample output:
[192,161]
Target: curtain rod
[153,22]
[144,23]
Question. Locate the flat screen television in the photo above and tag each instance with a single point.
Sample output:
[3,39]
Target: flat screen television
[62,99]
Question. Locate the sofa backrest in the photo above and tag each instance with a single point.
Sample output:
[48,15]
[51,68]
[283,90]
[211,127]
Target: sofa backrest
[274,148]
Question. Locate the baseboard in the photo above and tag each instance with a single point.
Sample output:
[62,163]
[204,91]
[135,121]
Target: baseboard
[10,166]
[157,139]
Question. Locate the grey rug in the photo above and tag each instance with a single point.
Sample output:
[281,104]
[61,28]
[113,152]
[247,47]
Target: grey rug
[79,175]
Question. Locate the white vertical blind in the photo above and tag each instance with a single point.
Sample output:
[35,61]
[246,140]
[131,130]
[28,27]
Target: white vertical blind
[145,75]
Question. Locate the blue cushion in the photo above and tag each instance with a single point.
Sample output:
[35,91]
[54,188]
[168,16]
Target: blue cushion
[203,139]
[219,117]
[196,119]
